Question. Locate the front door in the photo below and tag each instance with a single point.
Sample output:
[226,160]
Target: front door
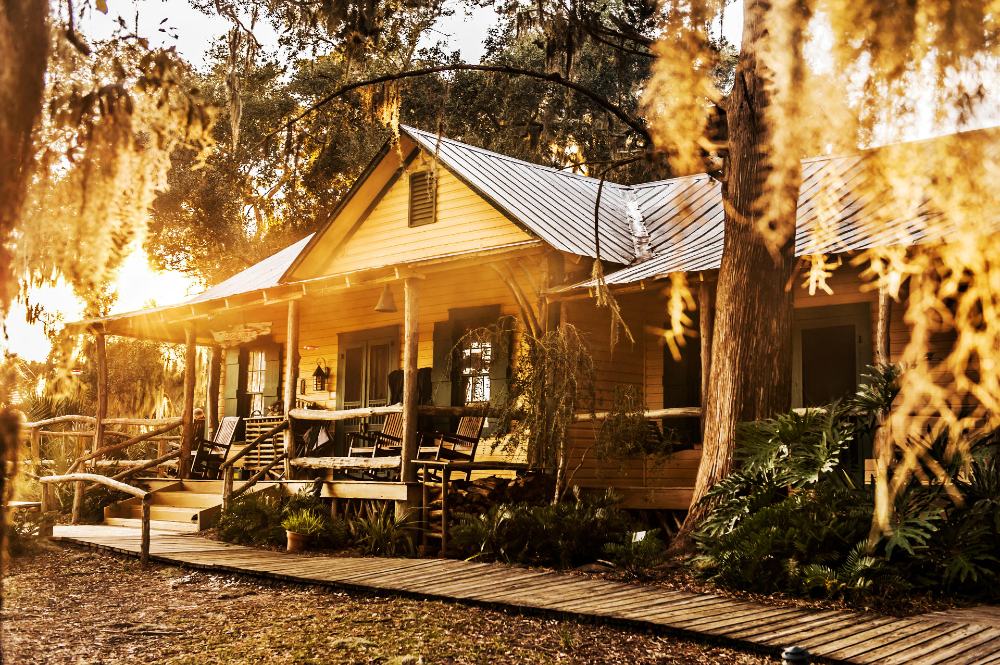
[363,365]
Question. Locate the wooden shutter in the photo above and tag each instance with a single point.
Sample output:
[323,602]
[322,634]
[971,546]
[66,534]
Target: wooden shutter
[231,389]
[500,363]
[423,198]
[441,369]
[272,375]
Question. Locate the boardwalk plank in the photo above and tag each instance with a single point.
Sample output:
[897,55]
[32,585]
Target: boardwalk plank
[830,634]
[969,651]
[915,654]
[927,630]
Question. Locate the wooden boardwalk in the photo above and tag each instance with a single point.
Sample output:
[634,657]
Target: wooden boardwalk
[830,635]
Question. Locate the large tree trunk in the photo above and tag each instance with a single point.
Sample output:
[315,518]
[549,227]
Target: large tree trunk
[23,51]
[750,376]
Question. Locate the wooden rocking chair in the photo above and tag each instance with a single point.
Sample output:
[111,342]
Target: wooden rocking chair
[460,446]
[377,443]
[210,454]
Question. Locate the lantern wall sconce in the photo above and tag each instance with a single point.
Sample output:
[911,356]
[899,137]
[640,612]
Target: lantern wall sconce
[386,301]
[321,376]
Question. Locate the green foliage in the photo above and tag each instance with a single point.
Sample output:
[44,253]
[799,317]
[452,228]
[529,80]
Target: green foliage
[304,522]
[379,532]
[638,555]
[252,519]
[790,519]
[565,535]
[626,432]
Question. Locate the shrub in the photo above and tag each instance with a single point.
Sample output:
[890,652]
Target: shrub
[252,519]
[379,532]
[638,555]
[304,522]
[790,518]
[566,534]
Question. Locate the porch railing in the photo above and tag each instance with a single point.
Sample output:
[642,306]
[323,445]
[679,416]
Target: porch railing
[80,479]
[226,468]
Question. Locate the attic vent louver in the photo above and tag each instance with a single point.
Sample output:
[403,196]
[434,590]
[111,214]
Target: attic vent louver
[423,198]
[640,235]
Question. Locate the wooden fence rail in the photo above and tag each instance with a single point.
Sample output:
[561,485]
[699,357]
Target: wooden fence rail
[226,468]
[79,480]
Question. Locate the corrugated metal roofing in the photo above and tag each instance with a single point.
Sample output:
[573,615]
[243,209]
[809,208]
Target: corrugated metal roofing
[685,219]
[261,275]
[557,206]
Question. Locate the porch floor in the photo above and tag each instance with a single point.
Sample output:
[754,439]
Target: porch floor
[831,635]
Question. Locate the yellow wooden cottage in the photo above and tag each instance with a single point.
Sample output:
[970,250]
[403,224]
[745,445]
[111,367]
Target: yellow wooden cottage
[437,238]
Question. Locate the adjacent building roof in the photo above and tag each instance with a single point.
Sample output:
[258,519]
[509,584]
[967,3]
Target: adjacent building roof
[259,276]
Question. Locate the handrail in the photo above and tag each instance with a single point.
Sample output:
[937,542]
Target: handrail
[125,444]
[429,410]
[250,447]
[79,479]
[147,465]
[60,419]
[228,494]
[226,468]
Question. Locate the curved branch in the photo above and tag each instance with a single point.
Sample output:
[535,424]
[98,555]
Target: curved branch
[632,123]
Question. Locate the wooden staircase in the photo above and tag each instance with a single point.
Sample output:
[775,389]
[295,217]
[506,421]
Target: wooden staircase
[182,506]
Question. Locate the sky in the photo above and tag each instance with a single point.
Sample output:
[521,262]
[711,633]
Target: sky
[176,23]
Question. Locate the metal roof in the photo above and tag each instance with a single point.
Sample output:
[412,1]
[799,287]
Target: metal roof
[557,206]
[262,275]
[836,214]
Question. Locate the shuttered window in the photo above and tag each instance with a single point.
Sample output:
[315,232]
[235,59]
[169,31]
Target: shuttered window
[423,198]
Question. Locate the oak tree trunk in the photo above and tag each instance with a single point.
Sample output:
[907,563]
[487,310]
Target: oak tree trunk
[23,52]
[750,369]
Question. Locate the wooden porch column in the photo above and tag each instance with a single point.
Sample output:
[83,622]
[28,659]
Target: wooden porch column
[883,347]
[214,378]
[102,390]
[291,373]
[706,326]
[187,413]
[410,321]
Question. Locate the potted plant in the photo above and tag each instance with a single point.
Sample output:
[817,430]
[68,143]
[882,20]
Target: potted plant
[300,527]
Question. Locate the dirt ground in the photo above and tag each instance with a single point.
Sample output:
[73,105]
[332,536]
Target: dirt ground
[65,605]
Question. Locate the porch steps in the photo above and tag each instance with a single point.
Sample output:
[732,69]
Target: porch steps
[154,525]
[177,506]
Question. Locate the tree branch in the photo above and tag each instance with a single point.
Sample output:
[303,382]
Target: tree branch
[632,123]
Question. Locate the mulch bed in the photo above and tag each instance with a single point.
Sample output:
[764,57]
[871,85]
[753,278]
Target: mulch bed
[64,605]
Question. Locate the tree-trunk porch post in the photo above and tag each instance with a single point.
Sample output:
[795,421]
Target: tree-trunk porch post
[187,414]
[214,380]
[291,372]
[100,349]
[408,472]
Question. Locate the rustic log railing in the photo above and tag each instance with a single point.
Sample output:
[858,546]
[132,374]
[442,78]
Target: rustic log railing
[226,468]
[79,479]
[427,410]
[35,431]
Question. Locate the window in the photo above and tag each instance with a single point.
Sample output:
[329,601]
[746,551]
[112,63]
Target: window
[474,366]
[256,377]
[423,198]
[831,346]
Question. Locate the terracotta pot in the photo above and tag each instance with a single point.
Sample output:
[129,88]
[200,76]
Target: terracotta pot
[296,541]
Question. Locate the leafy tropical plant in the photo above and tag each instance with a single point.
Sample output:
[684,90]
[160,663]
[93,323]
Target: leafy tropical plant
[637,556]
[379,532]
[567,534]
[252,519]
[304,522]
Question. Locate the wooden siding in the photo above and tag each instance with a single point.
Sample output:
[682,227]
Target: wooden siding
[464,222]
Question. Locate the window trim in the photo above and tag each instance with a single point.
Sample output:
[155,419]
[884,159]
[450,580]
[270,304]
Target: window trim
[434,197]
